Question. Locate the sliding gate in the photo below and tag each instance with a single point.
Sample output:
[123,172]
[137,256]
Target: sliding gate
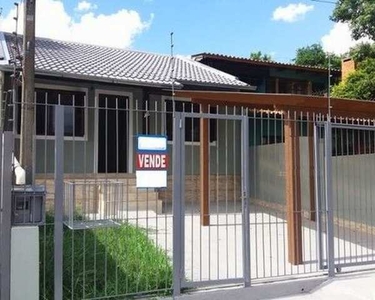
[345,172]
[211,211]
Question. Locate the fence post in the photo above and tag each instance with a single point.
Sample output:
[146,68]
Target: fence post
[245,201]
[329,205]
[177,204]
[6,211]
[59,202]
[318,190]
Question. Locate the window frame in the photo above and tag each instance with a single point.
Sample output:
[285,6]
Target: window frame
[64,88]
[164,120]
[124,93]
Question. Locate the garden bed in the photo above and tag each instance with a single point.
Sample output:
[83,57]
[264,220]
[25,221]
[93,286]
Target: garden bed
[107,263]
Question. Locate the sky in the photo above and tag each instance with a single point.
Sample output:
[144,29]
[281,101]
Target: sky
[231,27]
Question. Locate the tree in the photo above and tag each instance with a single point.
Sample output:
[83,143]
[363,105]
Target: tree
[362,51]
[358,85]
[260,56]
[360,14]
[315,56]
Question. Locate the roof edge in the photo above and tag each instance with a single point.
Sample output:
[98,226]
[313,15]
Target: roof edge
[224,86]
[95,78]
[200,56]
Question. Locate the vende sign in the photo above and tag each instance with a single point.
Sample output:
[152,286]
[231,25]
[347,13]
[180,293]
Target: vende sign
[151,161]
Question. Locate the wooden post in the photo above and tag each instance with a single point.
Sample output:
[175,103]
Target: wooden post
[310,132]
[293,191]
[309,88]
[204,168]
[27,106]
[277,83]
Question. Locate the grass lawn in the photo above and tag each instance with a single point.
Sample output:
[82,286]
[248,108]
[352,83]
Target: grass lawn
[106,263]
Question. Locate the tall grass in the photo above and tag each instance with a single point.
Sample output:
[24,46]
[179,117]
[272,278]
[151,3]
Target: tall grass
[107,263]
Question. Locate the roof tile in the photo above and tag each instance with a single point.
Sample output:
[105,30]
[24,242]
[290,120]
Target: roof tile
[77,59]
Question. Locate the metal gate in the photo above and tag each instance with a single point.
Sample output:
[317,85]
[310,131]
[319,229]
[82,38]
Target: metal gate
[211,237]
[345,168]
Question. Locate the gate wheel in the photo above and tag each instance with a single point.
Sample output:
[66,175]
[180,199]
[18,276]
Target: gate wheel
[338,269]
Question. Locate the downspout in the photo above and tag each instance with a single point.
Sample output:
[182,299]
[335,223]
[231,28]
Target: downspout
[19,172]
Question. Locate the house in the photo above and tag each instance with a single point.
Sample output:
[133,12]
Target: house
[272,77]
[111,95]
[108,93]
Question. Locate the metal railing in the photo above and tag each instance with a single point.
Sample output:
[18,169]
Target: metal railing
[266,187]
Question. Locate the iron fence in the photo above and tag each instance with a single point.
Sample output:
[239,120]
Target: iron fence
[248,196]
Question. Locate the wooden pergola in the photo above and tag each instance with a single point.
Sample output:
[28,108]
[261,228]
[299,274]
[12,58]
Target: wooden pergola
[303,104]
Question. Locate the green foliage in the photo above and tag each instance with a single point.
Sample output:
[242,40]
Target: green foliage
[362,51]
[105,262]
[260,56]
[360,14]
[358,85]
[314,55]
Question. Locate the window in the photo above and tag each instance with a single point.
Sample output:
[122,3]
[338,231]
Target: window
[192,125]
[74,112]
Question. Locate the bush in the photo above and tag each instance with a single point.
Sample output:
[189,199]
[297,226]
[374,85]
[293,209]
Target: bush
[105,262]
[359,84]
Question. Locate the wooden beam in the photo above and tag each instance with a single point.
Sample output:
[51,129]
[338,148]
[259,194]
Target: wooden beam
[310,133]
[293,192]
[204,168]
[303,103]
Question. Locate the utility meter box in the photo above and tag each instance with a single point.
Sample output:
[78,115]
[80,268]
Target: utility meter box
[28,205]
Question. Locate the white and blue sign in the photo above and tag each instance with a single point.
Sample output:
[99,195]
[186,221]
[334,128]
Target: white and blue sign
[152,161]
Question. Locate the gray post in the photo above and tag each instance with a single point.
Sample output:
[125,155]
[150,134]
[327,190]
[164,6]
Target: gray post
[317,195]
[59,201]
[177,203]
[245,201]
[6,213]
[329,205]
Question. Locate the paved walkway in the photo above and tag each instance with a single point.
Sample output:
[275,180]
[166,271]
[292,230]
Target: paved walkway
[360,286]
[215,252]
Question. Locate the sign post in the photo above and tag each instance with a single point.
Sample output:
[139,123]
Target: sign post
[152,161]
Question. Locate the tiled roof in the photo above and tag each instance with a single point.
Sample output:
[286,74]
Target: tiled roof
[77,60]
[200,56]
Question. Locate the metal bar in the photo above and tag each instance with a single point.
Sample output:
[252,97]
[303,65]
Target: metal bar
[204,168]
[355,264]
[226,191]
[317,195]
[329,205]
[6,210]
[353,126]
[177,194]
[182,204]
[211,116]
[206,283]
[246,201]
[59,202]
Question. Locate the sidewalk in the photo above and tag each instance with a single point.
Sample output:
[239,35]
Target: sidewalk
[350,286]
[357,286]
